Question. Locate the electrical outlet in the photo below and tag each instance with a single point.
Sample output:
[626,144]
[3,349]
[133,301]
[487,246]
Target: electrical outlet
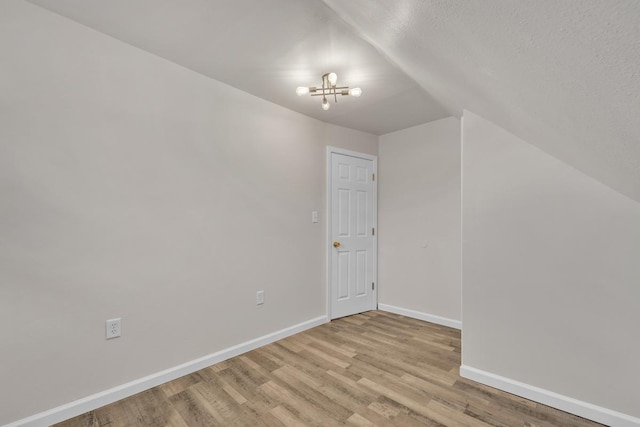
[113,328]
[260,297]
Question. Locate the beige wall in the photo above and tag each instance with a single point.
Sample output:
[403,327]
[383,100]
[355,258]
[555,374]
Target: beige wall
[419,219]
[550,272]
[132,187]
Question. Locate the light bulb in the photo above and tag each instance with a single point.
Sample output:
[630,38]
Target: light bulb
[325,104]
[356,91]
[302,90]
[333,78]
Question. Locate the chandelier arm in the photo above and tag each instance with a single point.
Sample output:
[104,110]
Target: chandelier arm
[321,94]
[327,91]
[325,78]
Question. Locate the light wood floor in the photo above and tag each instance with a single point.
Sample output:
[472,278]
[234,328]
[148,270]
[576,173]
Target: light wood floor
[370,369]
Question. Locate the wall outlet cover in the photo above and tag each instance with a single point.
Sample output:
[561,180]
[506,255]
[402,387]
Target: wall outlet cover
[113,328]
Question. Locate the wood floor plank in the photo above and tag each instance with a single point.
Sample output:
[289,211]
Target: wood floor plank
[176,386]
[287,418]
[372,369]
[299,405]
[360,421]
[447,415]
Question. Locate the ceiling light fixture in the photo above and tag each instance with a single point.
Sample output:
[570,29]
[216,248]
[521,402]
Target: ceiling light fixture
[329,88]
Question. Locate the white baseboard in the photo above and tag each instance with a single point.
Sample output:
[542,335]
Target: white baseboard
[114,394]
[549,398]
[421,316]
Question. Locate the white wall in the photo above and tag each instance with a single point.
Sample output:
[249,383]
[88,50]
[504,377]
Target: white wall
[419,219]
[132,187]
[550,272]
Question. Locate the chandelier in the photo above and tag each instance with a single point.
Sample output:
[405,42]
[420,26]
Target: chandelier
[329,89]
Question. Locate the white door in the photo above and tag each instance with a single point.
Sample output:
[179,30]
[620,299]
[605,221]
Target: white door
[352,234]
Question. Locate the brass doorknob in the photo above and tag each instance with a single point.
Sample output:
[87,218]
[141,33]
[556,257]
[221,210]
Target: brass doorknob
[336,244]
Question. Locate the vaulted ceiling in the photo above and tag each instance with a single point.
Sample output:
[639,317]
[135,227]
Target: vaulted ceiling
[563,75]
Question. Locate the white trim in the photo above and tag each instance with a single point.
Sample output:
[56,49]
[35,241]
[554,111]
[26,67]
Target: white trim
[374,160]
[114,394]
[344,152]
[421,316]
[550,398]
[462,223]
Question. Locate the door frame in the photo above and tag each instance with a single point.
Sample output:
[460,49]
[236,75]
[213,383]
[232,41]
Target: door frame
[329,238]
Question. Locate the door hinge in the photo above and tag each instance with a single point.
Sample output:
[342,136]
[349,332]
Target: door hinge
[373,286]
[373,177]
[373,231]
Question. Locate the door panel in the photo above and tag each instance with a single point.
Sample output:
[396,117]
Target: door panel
[361,213]
[343,275]
[361,273]
[344,211]
[352,222]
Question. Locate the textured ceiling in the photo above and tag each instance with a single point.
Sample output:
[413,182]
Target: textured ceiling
[560,74]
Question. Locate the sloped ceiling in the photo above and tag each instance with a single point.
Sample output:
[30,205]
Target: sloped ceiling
[562,75]
[266,48]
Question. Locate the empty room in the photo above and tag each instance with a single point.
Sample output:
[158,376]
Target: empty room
[319,213]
